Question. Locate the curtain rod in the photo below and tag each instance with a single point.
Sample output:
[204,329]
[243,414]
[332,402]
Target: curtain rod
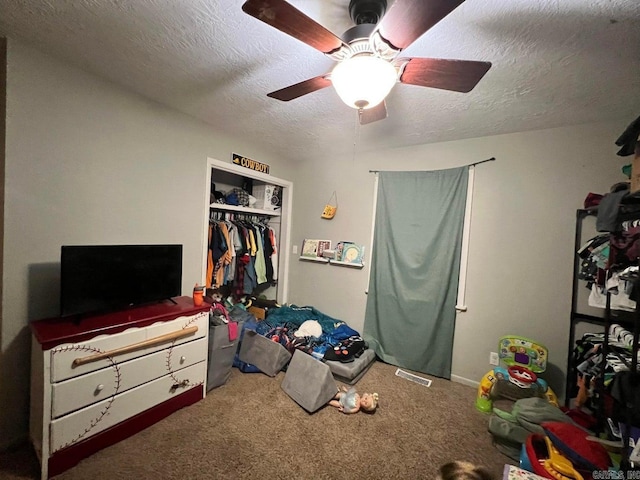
[469,165]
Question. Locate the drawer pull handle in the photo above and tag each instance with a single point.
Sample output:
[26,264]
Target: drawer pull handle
[182,384]
[136,346]
[183,359]
[99,388]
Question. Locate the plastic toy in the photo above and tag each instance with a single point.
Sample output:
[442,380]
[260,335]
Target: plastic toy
[540,456]
[523,360]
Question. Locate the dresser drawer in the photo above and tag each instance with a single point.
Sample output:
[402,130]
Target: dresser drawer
[63,356]
[95,418]
[79,392]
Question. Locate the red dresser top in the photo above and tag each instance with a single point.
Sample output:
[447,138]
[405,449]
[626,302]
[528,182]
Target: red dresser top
[58,330]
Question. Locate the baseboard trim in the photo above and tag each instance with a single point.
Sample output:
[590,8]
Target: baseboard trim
[465,381]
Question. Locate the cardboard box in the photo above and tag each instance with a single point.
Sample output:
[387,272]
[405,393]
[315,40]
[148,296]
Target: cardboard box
[268,197]
[259,313]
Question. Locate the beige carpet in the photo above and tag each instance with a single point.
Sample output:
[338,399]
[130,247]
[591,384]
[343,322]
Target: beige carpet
[249,428]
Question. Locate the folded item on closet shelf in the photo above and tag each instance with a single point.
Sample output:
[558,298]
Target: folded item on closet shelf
[600,255]
[619,301]
[592,200]
[628,139]
[626,391]
[585,250]
[630,273]
[624,246]
[591,366]
[621,335]
[615,362]
[607,219]
[588,271]
[237,196]
[593,337]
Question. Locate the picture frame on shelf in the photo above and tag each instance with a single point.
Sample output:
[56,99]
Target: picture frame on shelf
[339,247]
[313,248]
[309,248]
[345,254]
[352,253]
[322,246]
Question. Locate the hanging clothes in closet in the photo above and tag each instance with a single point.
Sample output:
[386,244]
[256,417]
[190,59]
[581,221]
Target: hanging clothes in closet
[242,253]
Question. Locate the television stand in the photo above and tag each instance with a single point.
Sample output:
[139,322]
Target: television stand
[97,381]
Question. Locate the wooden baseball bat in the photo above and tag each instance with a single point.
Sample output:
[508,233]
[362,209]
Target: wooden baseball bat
[136,346]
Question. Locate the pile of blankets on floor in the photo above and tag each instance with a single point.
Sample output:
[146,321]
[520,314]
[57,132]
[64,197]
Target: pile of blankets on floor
[307,329]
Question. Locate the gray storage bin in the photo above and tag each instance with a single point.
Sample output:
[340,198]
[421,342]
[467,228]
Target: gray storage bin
[309,382]
[221,354]
[269,357]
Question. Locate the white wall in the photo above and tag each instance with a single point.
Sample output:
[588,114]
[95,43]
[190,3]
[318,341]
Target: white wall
[89,163]
[522,232]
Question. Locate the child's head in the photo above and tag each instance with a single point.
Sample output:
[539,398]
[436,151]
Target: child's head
[463,471]
[369,402]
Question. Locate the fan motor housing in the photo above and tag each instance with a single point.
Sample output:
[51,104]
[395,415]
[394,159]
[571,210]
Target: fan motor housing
[358,32]
[367,11]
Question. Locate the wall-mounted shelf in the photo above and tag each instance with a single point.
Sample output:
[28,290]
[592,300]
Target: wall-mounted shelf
[314,259]
[241,209]
[346,264]
[331,262]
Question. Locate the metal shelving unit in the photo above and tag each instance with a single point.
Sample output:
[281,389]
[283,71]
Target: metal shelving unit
[629,320]
[576,315]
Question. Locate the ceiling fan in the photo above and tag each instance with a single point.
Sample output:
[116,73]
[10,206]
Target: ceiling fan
[367,53]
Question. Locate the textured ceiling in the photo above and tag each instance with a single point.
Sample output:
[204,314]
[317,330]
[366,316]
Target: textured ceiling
[555,63]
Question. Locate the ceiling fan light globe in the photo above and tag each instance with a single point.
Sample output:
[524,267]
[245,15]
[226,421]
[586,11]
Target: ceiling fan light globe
[363,80]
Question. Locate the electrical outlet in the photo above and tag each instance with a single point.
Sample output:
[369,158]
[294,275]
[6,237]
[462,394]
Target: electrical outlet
[494,359]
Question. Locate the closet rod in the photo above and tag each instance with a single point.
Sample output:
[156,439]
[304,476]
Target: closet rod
[469,165]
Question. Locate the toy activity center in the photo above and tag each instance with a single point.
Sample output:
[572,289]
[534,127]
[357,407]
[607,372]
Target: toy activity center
[524,360]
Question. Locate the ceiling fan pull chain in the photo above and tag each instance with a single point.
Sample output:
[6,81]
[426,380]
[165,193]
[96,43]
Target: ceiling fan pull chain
[356,132]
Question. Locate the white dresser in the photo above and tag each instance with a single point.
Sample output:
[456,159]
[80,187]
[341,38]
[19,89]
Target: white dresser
[96,380]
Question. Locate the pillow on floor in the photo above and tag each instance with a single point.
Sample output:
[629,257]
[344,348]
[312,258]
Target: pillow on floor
[347,350]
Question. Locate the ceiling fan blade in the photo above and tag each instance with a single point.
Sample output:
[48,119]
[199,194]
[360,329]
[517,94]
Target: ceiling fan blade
[379,112]
[455,75]
[406,20]
[288,19]
[300,89]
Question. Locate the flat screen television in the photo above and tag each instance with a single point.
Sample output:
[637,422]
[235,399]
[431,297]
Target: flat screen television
[104,278]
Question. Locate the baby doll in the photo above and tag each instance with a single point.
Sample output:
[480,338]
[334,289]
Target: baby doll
[349,401]
[463,471]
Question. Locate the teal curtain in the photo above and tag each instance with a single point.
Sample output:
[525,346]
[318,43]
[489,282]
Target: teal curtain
[415,265]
